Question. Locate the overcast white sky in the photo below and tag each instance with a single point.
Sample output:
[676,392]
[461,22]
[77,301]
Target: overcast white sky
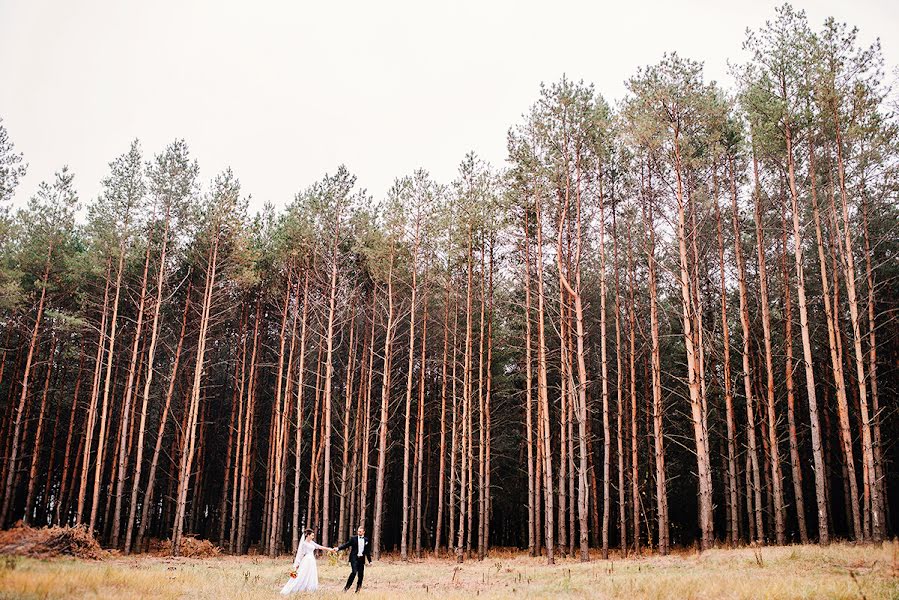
[284,92]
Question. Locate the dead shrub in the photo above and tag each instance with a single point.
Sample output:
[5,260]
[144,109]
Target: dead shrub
[50,542]
[191,547]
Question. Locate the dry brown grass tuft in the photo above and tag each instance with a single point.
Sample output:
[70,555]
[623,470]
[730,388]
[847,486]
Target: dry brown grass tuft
[191,547]
[50,542]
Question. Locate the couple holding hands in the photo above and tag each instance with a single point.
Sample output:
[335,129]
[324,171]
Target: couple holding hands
[304,577]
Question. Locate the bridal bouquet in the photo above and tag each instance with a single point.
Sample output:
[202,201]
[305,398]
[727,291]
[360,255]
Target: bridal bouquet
[293,574]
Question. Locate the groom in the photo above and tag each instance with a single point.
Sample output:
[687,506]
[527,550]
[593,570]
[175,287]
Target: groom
[360,551]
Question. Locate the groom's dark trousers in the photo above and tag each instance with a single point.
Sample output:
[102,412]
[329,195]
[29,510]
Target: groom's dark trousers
[357,563]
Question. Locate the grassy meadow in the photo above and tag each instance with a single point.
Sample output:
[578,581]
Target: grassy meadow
[812,572]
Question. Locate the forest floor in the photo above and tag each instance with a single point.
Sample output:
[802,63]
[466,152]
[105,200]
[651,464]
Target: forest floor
[837,571]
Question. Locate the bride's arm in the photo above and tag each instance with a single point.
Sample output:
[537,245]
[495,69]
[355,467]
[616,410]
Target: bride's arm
[319,547]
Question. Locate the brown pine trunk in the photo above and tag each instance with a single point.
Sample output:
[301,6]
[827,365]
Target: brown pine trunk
[37,445]
[658,435]
[529,378]
[776,476]
[62,504]
[817,450]
[481,415]
[301,391]
[190,437]
[151,355]
[366,427]
[101,443]
[871,491]
[163,419]
[9,490]
[382,427]
[622,506]
[404,536]
[347,413]
[732,486]
[693,368]
[236,416]
[277,434]
[126,407]
[795,465]
[91,418]
[632,379]
[419,446]
[836,356]
[450,539]
[248,446]
[543,391]
[880,481]
[465,507]
[753,480]
[329,374]
[438,530]
[487,401]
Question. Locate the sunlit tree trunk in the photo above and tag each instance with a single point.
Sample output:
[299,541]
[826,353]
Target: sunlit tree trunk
[754,486]
[776,475]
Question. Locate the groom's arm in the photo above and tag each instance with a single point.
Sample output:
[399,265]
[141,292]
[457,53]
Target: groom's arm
[367,552]
[345,545]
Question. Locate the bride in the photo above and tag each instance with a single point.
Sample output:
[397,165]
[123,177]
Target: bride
[304,577]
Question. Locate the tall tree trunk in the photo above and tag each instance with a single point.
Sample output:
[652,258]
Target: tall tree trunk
[464,507]
[101,443]
[163,420]
[632,380]
[795,465]
[872,491]
[190,438]
[529,378]
[732,487]
[151,356]
[438,530]
[301,391]
[817,452]
[38,441]
[421,416]
[879,479]
[130,386]
[776,475]
[404,536]
[329,374]
[543,390]
[752,472]
[382,427]
[619,392]
[9,490]
[658,435]
[63,501]
[693,370]
[91,418]
[347,412]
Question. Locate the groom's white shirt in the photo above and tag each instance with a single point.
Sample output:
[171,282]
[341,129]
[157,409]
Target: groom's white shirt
[360,544]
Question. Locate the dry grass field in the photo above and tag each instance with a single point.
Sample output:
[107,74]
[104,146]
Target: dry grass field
[812,572]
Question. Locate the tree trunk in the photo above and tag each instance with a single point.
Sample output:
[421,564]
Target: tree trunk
[382,428]
[776,476]
[26,378]
[163,419]
[872,491]
[190,438]
[732,487]
[658,435]
[752,473]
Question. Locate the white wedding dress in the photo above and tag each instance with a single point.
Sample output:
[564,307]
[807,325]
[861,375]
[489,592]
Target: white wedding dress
[307,571]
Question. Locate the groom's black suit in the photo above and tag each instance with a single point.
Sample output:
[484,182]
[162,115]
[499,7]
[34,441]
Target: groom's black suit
[357,563]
